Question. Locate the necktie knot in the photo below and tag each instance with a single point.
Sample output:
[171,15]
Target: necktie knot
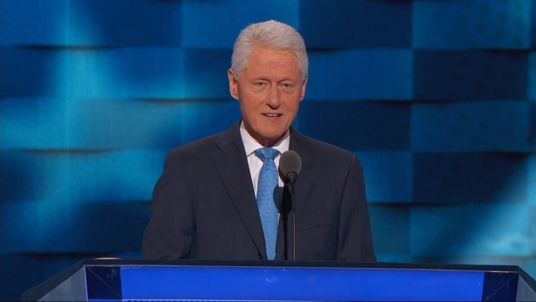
[266,153]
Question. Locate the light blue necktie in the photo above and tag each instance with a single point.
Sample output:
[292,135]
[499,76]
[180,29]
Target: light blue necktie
[268,180]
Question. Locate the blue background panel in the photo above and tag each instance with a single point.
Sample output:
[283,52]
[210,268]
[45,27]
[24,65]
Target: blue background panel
[28,72]
[114,73]
[79,176]
[215,24]
[391,226]
[470,75]
[146,73]
[36,22]
[388,176]
[531,86]
[468,177]
[462,24]
[359,126]
[360,74]
[205,82]
[72,227]
[90,23]
[533,17]
[470,126]
[356,24]
[532,127]
[91,73]
[33,123]
[503,229]
[532,180]
[111,124]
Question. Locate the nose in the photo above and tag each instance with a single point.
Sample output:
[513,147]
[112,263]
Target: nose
[274,97]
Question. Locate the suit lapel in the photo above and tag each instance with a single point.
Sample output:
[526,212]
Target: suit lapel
[302,188]
[230,160]
[305,180]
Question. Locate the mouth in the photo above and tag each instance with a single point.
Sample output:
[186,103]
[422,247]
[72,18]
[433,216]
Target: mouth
[272,114]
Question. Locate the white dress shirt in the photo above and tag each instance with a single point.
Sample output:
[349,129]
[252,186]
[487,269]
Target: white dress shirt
[255,163]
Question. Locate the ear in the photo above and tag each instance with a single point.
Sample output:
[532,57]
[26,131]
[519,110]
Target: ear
[304,85]
[233,84]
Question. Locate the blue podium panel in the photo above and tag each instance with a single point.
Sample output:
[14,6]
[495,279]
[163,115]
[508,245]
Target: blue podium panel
[283,281]
[298,283]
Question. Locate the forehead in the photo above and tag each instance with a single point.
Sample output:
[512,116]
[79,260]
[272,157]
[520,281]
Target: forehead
[275,62]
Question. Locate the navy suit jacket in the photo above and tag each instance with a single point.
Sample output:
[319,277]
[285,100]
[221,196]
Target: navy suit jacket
[204,206]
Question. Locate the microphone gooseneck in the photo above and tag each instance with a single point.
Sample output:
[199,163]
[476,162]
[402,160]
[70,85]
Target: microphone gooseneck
[290,165]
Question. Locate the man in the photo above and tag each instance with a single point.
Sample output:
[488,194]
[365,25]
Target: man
[214,199]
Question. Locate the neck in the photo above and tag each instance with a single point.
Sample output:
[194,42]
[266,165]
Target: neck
[267,142]
[264,141]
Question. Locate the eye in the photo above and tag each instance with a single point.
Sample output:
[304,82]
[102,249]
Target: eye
[287,86]
[259,84]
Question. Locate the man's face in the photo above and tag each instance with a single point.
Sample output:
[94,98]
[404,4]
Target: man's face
[269,90]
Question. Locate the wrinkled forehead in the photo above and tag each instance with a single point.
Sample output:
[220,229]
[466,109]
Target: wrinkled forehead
[271,61]
[277,59]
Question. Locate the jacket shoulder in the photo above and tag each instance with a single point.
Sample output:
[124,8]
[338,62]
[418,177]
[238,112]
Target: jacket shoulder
[202,148]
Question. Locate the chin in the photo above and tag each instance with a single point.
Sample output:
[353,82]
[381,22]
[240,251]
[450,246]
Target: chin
[272,134]
[275,137]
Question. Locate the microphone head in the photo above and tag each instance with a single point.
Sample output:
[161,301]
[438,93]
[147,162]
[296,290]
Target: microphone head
[290,165]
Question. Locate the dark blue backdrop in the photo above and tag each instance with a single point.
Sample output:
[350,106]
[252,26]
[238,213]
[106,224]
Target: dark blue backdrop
[437,98]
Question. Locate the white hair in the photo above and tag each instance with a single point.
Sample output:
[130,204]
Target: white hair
[270,34]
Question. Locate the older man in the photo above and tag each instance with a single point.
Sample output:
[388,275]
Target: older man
[214,199]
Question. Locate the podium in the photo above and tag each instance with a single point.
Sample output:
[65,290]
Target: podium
[117,280]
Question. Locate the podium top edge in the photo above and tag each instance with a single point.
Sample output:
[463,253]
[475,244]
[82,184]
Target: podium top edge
[305,264]
[318,264]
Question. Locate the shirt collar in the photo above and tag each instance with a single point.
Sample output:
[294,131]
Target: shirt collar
[250,144]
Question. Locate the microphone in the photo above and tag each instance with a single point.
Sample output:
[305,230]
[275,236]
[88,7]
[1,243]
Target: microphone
[290,165]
